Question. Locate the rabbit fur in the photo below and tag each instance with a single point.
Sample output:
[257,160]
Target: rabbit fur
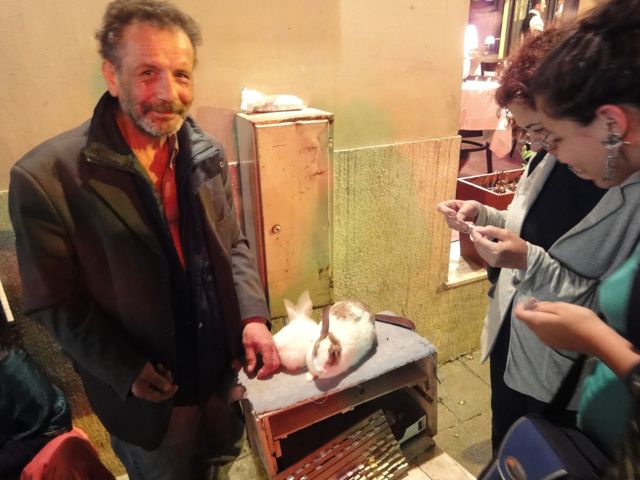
[295,339]
[348,333]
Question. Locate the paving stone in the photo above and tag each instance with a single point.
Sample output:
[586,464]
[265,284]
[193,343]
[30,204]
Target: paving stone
[245,448]
[248,467]
[469,442]
[462,391]
[464,411]
[446,418]
[480,369]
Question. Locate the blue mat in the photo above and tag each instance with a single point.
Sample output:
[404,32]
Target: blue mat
[396,347]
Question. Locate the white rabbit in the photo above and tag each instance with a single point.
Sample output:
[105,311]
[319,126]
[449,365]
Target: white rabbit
[348,333]
[297,336]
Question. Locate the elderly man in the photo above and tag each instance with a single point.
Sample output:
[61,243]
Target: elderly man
[130,251]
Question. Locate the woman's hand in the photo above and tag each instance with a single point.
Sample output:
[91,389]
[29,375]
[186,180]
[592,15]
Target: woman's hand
[563,325]
[571,327]
[509,251]
[459,214]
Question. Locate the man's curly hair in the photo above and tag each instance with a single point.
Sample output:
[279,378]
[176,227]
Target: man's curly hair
[122,13]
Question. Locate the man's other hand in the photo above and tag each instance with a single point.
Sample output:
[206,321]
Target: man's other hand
[154,384]
[257,339]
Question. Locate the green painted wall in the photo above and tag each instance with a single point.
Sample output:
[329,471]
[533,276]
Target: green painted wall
[391,248]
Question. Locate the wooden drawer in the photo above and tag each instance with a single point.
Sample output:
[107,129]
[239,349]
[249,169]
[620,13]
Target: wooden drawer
[268,431]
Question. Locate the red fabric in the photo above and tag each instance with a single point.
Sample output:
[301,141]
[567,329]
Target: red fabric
[169,198]
[249,320]
[69,456]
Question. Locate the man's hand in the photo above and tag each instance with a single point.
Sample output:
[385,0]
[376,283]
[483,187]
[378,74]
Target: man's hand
[154,384]
[257,339]
[510,251]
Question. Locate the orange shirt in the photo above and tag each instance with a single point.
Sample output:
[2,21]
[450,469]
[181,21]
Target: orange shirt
[166,186]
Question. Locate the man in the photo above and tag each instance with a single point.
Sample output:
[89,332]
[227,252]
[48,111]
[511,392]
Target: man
[533,22]
[130,251]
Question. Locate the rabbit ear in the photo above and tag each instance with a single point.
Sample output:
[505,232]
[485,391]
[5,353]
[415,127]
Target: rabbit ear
[305,305]
[291,310]
[334,354]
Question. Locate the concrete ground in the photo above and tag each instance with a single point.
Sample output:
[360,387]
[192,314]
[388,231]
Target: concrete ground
[464,420]
[464,411]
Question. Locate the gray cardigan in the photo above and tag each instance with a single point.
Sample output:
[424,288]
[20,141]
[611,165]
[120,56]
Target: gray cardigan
[570,271]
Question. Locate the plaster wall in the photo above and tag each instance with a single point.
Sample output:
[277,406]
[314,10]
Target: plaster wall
[392,247]
[390,72]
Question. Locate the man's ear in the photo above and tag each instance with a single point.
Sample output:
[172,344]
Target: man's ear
[110,75]
[613,119]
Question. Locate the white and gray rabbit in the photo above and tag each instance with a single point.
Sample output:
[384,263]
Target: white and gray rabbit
[295,339]
[348,333]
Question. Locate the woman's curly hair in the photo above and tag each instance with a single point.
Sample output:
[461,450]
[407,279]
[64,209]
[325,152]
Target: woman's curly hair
[523,64]
[598,63]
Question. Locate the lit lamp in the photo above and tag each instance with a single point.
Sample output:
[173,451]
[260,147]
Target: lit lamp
[470,48]
[489,43]
[470,39]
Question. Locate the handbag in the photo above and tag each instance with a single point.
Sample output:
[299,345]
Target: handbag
[537,447]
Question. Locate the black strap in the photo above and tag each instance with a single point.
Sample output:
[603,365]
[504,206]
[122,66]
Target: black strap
[494,272]
[633,307]
[526,23]
[565,392]
[533,163]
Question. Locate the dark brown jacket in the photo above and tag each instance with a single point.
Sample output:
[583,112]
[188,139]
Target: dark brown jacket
[94,271]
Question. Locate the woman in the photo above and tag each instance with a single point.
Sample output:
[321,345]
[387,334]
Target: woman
[550,244]
[588,94]
[32,409]
[37,440]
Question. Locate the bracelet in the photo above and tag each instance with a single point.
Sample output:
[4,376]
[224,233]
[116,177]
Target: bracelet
[632,380]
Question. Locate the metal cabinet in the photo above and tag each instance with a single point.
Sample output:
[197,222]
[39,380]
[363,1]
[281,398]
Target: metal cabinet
[285,161]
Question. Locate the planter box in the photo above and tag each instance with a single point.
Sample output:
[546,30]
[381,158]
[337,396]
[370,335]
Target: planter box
[482,188]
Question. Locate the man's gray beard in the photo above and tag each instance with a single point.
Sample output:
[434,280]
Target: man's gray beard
[148,127]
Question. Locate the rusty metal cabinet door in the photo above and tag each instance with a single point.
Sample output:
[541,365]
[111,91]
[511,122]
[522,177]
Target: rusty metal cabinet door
[286,178]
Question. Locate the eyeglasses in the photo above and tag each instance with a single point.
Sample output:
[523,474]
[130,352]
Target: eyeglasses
[535,139]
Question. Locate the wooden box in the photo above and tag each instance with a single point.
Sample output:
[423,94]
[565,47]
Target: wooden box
[268,431]
[286,411]
[482,189]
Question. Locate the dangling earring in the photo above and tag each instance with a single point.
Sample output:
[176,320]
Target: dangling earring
[612,144]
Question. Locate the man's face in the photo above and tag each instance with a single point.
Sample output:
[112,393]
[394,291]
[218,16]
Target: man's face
[154,81]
